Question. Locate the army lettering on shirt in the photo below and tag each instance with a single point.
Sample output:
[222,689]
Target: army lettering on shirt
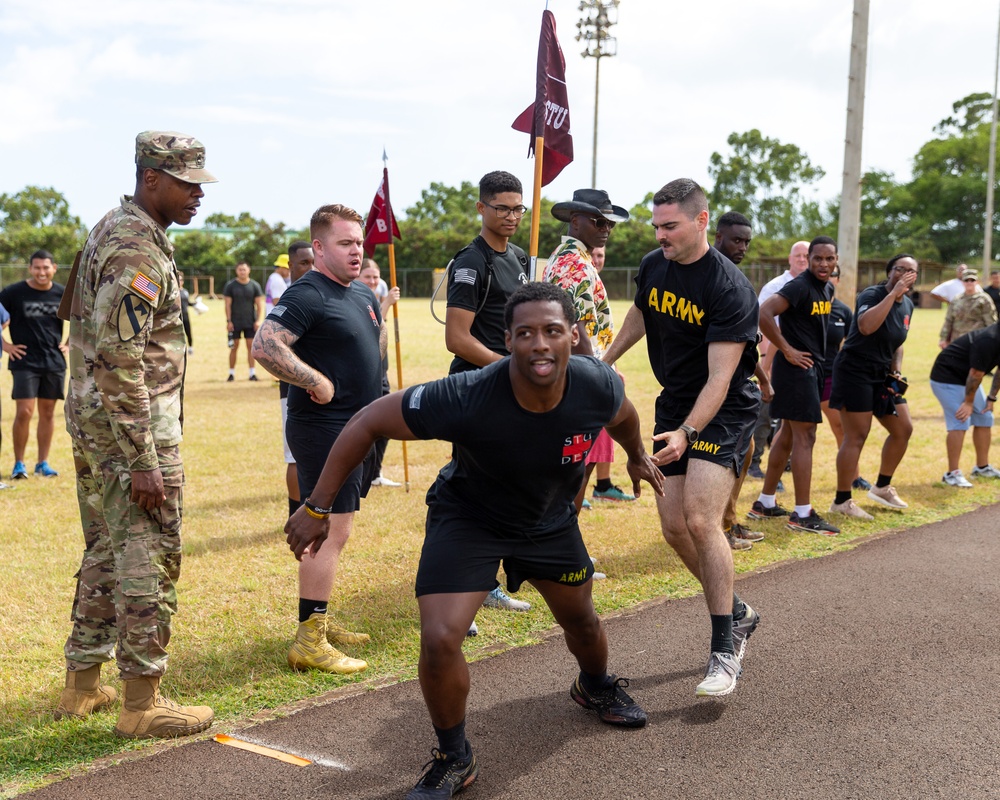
[804,322]
[685,307]
[523,490]
[467,289]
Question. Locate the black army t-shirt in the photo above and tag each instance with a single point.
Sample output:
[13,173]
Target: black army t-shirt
[978,350]
[514,470]
[35,324]
[804,322]
[338,328]
[871,356]
[467,289]
[687,306]
[836,331]
[243,295]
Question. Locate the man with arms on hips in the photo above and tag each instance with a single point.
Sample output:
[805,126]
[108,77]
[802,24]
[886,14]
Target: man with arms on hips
[300,261]
[123,414]
[699,315]
[956,379]
[969,311]
[244,302]
[798,262]
[591,217]
[733,235]
[803,305]
[507,495]
[483,276]
[35,358]
[277,282]
[326,338]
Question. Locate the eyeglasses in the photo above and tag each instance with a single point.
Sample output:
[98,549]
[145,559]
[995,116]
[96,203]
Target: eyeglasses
[504,212]
[968,280]
[602,223]
[834,274]
[904,271]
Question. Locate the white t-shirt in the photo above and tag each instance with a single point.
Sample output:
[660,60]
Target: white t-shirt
[949,290]
[272,291]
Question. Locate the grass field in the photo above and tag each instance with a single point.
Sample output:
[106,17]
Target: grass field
[238,598]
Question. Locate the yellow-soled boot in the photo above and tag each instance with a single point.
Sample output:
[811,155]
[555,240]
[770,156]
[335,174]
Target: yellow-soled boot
[311,650]
[338,635]
[84,694]
[146,714]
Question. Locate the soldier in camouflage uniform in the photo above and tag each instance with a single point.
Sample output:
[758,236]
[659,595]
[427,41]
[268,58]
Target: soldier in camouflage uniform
[123,412]
[969,311]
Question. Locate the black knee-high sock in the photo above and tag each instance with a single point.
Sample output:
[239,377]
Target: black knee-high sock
[722,633]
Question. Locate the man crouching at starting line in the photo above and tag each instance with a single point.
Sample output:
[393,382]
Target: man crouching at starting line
[539,398]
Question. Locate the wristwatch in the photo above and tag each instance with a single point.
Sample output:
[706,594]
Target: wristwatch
[690,433]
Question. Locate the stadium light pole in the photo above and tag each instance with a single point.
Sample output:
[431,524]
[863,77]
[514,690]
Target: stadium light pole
[599,16]
[991,177]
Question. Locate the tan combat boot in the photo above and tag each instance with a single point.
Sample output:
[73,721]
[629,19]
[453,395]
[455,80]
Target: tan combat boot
[338,635]
[311,650]
[83,693]
[146,714]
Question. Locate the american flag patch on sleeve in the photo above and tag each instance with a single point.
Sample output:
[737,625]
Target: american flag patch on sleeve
[145,287]
[465,275]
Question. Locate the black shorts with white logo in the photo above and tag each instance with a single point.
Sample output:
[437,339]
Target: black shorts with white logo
[461,554]
[797,391]
[723,441]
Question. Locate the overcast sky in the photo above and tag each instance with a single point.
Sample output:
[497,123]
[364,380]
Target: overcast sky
[295,99]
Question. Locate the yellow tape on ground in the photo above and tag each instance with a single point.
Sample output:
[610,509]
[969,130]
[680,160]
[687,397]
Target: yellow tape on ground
[221,738]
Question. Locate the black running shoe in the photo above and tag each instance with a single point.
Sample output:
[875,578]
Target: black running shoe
[613,705]
[814,523]
[445,776]
[758,511]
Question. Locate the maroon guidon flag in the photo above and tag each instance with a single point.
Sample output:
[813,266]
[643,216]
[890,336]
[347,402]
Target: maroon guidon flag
[380,218]
[548,117]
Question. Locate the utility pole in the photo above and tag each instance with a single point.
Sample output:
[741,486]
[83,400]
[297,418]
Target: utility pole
[599,16]
[991,179]
[848,231]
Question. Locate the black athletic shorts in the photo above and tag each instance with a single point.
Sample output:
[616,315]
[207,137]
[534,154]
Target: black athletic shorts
[857,390]
[310,445]
[236,333]
[32,383]
[797,391]
[724,441]
[461,554]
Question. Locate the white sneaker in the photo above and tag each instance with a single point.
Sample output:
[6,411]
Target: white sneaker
[886,495]
[5,486]
[850,509]
[989,471]
[720,676]
[473,629]
[498,598]
[381,480]
[956,478]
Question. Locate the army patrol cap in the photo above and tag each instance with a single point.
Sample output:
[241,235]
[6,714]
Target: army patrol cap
[970,274]
[175,153]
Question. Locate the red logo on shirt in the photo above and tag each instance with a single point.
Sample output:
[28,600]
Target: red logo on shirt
[371,313]
[906,322]
[575,448]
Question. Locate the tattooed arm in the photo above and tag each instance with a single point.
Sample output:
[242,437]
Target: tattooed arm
[383,340]
[272,347]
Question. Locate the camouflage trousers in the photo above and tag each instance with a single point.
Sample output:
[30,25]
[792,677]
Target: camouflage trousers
[125,589]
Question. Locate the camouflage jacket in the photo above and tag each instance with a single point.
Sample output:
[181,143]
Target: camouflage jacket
[968,312]
[126,341]
[571,267]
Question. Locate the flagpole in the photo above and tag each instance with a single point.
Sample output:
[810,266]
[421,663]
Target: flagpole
[395,310]
[536,207]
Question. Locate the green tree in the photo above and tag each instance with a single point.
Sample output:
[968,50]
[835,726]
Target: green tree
[763,179]
[948,191]
[38,218]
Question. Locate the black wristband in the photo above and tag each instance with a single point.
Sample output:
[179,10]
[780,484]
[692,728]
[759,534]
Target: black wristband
[991,397]
[323,512]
